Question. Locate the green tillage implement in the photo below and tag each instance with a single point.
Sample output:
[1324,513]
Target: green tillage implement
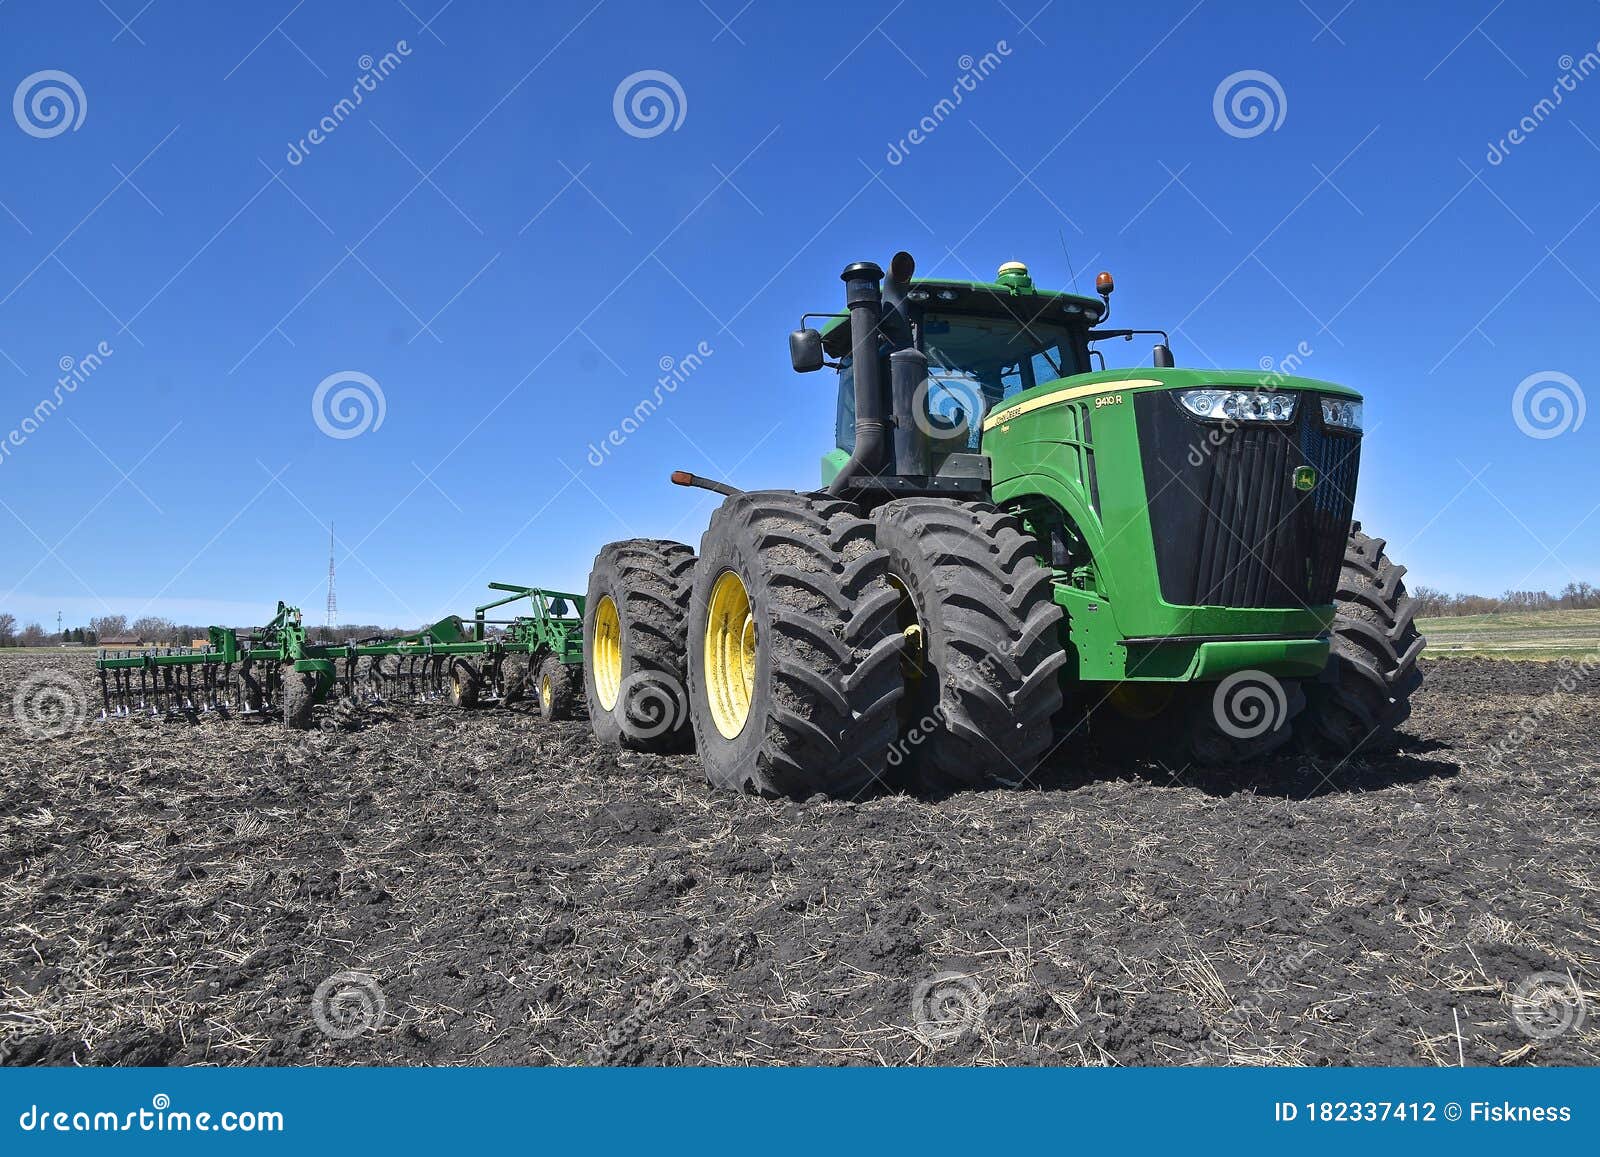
[276,670]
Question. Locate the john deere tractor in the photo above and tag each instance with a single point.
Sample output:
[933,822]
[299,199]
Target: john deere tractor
[1011,541]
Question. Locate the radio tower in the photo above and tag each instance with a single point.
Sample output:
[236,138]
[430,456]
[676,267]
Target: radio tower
[333,602]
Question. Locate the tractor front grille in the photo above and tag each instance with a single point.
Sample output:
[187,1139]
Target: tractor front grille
[1230,528]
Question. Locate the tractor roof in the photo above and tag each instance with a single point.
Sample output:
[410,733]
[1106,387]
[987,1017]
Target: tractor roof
[1013,295]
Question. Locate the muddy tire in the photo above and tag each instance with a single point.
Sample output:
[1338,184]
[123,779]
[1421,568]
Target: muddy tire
[1246,717]
[559,686]
[1373,670]
[297,695]
[984,642]
[634,620]
[793,690]
[514,679]
[466,684]
[251,692]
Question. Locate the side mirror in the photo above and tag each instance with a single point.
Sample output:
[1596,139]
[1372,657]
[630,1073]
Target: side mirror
[1163,360]
[805,350]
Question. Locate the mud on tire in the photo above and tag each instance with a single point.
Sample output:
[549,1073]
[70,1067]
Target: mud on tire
[297,691]
[514,679]
[1248,716]
[648,581]
[1373,669]
[825,672]
[979,710]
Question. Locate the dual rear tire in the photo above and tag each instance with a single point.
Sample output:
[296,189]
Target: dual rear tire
[823,652]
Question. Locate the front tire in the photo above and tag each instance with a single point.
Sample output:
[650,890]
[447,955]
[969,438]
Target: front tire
[1373,670]
[794,659]
[984,642]
[633,644]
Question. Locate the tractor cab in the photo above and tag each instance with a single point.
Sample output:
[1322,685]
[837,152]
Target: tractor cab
[985,341]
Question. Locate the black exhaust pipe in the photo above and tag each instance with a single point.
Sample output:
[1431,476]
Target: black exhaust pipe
[908,388]
[864,299]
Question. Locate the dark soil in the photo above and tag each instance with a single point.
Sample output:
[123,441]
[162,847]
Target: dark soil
[174,893]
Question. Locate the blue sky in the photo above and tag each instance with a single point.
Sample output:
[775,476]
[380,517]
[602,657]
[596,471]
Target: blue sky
[503,262]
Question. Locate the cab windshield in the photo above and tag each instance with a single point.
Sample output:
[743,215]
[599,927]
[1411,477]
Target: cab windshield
[975,363]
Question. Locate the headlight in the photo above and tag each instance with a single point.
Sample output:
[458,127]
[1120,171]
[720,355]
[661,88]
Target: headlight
[1239,405]
[1341,413]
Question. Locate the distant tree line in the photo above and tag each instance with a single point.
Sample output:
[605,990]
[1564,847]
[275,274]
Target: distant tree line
[159,632]
[1432,603]
[151,630]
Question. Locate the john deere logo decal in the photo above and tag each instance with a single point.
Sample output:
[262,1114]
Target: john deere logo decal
[1304,478]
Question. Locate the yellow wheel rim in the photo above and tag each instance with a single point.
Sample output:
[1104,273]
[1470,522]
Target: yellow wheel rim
[913,664]
[730,654]
[606,653]
[545,695]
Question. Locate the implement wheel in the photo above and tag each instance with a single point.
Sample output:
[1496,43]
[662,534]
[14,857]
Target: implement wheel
[1373,669]
[465,684]
[297,695]
[794,658]
[514,678]
[559,686]
[983,642]
[633,640]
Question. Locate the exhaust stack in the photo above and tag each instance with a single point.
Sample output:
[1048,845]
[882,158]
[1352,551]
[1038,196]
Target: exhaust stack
[863,297]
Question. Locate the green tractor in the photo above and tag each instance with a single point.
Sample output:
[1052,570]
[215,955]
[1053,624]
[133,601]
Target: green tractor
[1010,542]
